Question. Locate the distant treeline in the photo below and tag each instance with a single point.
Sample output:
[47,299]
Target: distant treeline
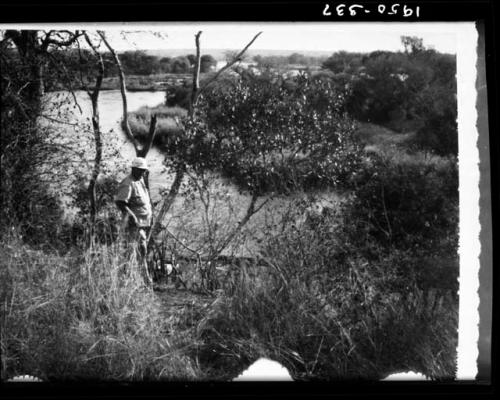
[414,90]
[136,62]
[292,59]
[407,91]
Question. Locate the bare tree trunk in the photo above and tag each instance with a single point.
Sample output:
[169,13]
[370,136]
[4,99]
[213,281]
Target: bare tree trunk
[142,152]
[94,97]
[123,90]
[251,210]
[196,77]
[168,201]
[97,163]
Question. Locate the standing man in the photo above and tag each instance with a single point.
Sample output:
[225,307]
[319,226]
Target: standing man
[132,198]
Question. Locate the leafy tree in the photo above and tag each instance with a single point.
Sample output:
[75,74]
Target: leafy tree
[165,64]
[412,44]
[257,58]
[139,63]
[436,107]
[381,89]
[180,65]
[297,58]
[270,138]
[343,61]
[192,59]
[433,88]
[417,86]
[207,62]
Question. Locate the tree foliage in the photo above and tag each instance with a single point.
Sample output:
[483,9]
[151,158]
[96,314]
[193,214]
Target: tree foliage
[139,63]
[276,62]
[417,86]
[207,63]
[180,65]
[268,136]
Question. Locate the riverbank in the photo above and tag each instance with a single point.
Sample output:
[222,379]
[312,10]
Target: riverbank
[134,83]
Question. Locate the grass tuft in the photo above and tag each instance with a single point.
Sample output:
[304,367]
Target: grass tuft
[83,316]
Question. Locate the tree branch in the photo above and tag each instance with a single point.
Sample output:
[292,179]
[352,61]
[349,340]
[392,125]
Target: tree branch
[151,135]
[123,90]
[60,43]
[141,151]
[251,210]
[168,201]
[196,77]
[229,64]
[94,97]
[62,69]
[45,41]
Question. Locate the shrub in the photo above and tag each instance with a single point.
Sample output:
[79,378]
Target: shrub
[178,96]
[267,136]
[167,128]
[406,201]
[439,130]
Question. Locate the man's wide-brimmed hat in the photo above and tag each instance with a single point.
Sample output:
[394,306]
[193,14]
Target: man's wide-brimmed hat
[140,162]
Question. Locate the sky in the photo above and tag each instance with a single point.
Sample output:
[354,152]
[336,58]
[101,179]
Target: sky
[294,36]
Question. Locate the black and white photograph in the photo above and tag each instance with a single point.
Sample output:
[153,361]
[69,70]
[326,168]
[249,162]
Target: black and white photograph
[228,202]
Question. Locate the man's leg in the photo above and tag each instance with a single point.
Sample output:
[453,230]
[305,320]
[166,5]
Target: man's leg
[142,256]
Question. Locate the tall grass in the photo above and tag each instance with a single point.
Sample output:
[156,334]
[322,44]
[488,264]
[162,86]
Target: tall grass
[331,321]
[166,127]
[86,315]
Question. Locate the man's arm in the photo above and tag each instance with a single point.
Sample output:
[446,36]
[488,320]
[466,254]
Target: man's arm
[122,206]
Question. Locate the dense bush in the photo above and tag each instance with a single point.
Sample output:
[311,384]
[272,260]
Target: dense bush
[264,133]
[406,201]
[439,129]
[178,96]
[267,136]
[357,292]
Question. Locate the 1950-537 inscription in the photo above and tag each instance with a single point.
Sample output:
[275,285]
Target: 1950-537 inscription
[353,10]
